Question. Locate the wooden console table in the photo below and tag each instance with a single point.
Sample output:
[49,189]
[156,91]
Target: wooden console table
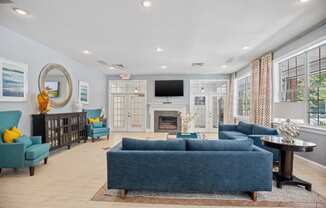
[60,129]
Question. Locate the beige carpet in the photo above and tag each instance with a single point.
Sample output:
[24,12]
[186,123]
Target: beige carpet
[288,196]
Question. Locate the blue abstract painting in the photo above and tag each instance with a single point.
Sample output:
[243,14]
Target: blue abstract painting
[12,81]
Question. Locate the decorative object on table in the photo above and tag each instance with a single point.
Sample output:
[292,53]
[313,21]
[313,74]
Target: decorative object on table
[188,135]
[25,151]
[96,126]
[43,102]
[60,129]
[288,130]
[56,73]
[13,81]
[186,119]
[83,92]
[77,106]
[285,176]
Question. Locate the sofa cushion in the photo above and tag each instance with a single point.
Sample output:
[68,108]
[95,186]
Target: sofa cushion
[245,128]
[220,145]
[24,140]
[97,124]
[137,144]
[99,130]
[36,150]
[261,130]
[1,132]
[232,135]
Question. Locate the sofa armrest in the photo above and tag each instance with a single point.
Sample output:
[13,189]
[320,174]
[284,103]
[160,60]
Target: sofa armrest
[12,155]
[227,127]
[36,139]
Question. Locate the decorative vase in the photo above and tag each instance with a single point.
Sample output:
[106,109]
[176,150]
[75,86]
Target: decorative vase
[288,130]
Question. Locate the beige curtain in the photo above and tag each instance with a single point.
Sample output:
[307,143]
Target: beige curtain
[261,90]
[228,106]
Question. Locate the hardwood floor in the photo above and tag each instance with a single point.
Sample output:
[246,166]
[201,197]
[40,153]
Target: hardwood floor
[72,177]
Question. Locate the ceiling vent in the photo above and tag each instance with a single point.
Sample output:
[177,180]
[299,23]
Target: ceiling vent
[118,66]
[6,2]
[199,64]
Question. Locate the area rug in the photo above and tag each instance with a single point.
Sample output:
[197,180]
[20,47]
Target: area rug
[288,196]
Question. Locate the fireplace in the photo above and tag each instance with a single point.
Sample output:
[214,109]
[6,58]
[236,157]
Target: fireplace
[167,121]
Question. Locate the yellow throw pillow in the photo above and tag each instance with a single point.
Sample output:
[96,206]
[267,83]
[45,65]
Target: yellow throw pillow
[94,120]
[17,130]
[9,136]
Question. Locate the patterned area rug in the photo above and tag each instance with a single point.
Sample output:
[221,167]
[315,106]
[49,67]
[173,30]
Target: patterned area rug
[288,196]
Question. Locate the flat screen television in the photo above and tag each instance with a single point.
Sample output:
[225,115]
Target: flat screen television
[168,88]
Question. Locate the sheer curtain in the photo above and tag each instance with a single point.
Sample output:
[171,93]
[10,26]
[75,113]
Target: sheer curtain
[228,107]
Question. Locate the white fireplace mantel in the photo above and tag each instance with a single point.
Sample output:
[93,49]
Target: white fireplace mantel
[164,107]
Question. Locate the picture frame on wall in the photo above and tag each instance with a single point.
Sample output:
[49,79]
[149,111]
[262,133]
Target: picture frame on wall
[13,81]
[83,91]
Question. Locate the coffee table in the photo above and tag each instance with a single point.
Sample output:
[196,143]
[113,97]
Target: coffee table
[285,176]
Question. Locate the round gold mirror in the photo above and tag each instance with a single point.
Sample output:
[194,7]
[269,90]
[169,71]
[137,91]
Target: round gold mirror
[56,80]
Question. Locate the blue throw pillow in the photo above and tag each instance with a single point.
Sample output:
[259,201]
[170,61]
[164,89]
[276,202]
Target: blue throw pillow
[245,128]
[97,124]
[137,144]
[24,140]
[220,145]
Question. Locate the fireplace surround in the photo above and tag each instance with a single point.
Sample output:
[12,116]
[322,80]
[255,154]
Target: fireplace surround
[167,121]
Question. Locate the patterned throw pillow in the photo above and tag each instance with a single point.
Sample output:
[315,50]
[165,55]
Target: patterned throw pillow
[94,120]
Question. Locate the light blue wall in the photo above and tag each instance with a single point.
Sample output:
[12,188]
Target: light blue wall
[21,49]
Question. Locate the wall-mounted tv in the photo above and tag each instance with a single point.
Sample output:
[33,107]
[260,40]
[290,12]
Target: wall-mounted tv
[168,88]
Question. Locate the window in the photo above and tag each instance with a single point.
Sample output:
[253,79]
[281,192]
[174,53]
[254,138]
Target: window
[292,73]
[303,79]
[317,86]
[243,96]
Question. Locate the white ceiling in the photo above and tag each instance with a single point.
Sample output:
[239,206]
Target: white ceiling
[123,32]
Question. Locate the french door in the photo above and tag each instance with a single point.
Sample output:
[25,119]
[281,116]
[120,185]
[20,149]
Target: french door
[127,105]
[205,103]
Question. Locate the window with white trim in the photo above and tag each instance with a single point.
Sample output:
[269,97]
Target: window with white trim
[243,96]
[303,79]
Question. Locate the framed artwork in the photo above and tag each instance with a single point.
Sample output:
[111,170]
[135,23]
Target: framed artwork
[83,92]
[13,81]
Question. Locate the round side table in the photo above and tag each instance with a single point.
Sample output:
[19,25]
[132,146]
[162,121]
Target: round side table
[285,176]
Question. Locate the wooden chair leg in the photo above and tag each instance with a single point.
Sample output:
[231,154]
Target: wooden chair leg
[93,139]
[31,171]
[253,195]
[123,193]
[108,137]
[0,170]
[45,161]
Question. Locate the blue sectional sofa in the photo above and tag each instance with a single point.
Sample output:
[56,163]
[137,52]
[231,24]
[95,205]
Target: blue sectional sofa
[244,130]
[202,166]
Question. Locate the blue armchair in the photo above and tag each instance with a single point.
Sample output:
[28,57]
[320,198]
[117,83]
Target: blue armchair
[96,130]
[20,154]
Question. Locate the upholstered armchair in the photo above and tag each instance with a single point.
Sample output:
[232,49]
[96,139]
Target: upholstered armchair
[26,152]
[98,129]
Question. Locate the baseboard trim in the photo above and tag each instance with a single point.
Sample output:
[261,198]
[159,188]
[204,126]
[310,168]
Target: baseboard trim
[312,163]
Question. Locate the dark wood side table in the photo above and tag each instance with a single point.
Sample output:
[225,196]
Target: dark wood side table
[285,176]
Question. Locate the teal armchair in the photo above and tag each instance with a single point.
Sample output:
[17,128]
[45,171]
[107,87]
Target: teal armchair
[26,152]
[97,130]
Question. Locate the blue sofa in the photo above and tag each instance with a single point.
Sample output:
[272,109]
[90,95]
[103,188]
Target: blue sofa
[244,130]
[201,166]
[26,152]
[98,130]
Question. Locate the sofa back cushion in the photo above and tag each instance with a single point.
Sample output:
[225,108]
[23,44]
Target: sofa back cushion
[137,144]
[245,128]
[261,130]
[24,140]
[220,145]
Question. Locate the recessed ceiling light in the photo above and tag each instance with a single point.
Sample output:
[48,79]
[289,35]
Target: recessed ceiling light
[147,4]
[224,66]
[20,11]
[86,52]
[164,67]
[159,49]
[245,47]
[111,67]
[303,1]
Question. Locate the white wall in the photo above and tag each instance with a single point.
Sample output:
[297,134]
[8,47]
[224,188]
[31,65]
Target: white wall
[18,48]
